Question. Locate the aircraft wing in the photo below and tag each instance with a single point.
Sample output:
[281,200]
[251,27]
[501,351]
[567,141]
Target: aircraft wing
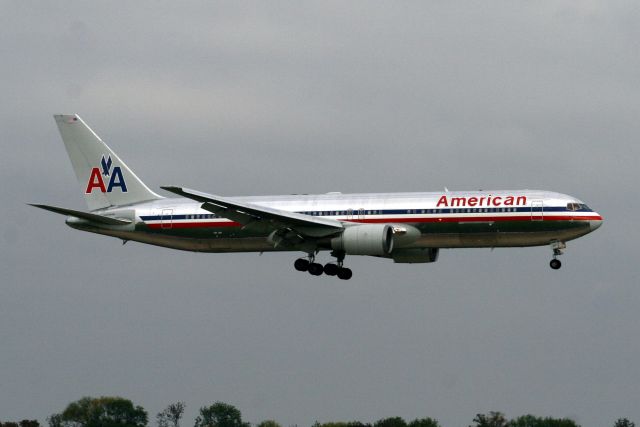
[252,215]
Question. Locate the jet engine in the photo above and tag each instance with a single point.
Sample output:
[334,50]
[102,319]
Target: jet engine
[415,255]
[366,239]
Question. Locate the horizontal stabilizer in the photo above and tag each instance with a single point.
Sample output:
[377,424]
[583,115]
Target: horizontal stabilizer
[84,215]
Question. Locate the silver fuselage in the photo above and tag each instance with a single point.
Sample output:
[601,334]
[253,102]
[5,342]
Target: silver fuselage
[444,219]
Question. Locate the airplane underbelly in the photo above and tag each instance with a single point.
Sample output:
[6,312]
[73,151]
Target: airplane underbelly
[499,235]
[449,235]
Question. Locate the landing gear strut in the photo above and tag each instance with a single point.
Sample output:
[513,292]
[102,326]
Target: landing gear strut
[330,269]
[557,248]
[343,273]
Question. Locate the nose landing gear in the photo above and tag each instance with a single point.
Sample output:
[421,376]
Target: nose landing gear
[557,248]
[330,269]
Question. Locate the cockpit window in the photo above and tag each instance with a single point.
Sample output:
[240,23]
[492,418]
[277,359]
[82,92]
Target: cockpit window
[577,206]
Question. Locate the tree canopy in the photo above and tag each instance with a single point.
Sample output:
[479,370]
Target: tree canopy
[424,422]
[121,412]
[494,419]
[100,412]
[220,414]
[497,419]
[532,421]
[171,415]
[391,422]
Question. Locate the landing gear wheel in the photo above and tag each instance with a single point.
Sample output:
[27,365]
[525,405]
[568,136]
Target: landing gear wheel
[301,264]
[315,269]
[344,273]
[555,264]
[331,269]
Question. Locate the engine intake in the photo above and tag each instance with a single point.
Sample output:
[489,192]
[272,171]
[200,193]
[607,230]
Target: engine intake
[366,239]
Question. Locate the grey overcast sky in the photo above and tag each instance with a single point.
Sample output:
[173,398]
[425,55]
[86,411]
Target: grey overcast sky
[251,98]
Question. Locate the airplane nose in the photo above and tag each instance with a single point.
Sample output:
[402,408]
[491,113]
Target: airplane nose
[595,224]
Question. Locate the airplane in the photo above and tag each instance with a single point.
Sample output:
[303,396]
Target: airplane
[403,227]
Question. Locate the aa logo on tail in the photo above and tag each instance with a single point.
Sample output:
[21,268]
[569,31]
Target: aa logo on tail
[96,180]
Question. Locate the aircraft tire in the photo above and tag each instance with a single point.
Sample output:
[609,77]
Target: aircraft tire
[315,269]
[301,264]
[345,273]
[331,269]
[555,264]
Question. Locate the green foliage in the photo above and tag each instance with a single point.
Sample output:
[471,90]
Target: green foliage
[497,419]
[55,420]
[171,415]
[424,422]
[342,424]
[220,415]
[120,412]
[334,424]
[390,422]
[525,421]
[23,423]
[494,419]
[100,412]
[532,421]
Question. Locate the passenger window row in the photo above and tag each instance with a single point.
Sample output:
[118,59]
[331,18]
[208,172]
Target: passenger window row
[409,211]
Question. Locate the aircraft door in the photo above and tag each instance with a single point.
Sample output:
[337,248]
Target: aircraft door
[537,210]
[166,219]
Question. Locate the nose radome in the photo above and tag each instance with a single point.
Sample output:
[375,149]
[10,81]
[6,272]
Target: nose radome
[595,224]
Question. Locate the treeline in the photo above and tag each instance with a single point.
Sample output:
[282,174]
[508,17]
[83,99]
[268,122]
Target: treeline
[23,423]
[120,412]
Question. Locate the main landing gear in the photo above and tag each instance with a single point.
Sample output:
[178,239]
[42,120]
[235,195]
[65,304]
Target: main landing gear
[330,269]
[557,248]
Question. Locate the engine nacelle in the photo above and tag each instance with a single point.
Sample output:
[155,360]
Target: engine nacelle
[415,255]
[366,239]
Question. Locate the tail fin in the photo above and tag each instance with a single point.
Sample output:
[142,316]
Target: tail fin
[105,179]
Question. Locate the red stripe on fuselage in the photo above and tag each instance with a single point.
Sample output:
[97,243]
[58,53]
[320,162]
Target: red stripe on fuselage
[211,224]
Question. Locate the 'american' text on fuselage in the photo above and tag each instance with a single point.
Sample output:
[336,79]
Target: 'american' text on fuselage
[446,201]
